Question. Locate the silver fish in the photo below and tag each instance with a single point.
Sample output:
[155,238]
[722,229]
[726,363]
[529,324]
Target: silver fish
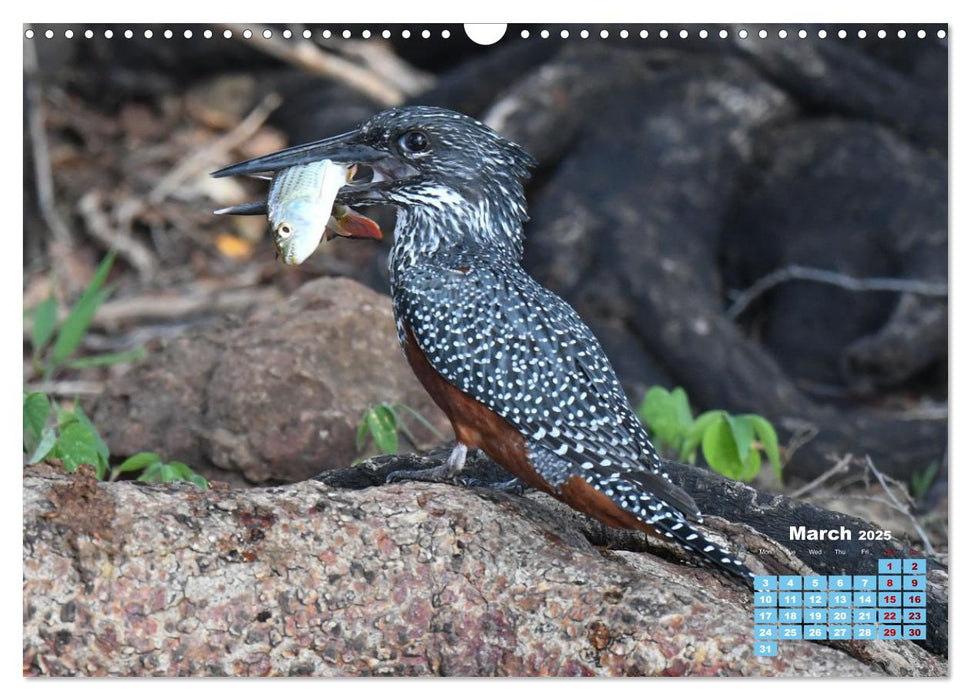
[299,206]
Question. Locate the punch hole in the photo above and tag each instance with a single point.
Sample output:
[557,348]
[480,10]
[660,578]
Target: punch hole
[89,34]
[742,34]
[723,33]
[524,34]
[68,34]
[941,34]
[545,34]
[783,34]
[227,34]
[425,34]
[921,33]
[841,33]
[386,34]
[129,33]
[366,34]
[446,34]
[663,33]
[763,34]
[901,34]
[29,34]
[247,34]
[703,34]
[683,34]
[822,34]
[604,34]
[584,33]
[267,34]
[803,33]
[49,33]
[346,34]
[565,34]
[167,33]
[882,34]
[287,34]
[644,34]
[624,34]
[485,34]
[187,33]
[406,34]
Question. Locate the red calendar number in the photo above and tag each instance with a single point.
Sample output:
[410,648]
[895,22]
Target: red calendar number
[914,615]
[889,615]
[914,598]
[889,632]
[889,582]
[913,566]
[890,599]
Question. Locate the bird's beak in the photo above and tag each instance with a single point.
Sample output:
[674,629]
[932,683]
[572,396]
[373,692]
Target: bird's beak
[347,149]
[343,148]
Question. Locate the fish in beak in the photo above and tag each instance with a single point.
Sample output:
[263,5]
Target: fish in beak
[314,186]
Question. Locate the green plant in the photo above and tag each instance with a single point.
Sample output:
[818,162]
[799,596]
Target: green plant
[920,483]
[71,438]
[383,423]
[732,445]
[54,344]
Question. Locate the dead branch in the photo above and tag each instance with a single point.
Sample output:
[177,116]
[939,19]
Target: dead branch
[201,160]
[306,55]
[43,176]
[853,284]
[378,56]
[897,505]
[99,225]
[839,468]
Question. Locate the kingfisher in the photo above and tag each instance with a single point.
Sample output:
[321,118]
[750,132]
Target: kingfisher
[513,366]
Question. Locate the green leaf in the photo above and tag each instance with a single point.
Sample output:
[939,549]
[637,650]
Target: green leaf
[37,409]
[44,446]
[362,431]
[743,434]
[99,444]
[137,462]
[75,326]
[45,321]
[76,446]
[65,416]
[384,429]
[666,415]
[151,473]
[770,442]
[718,446]
[110,358]
[696,431]
[753,465]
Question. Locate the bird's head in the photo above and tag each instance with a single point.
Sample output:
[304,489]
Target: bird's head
[440,169]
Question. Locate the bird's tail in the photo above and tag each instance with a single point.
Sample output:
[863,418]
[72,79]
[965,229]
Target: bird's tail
[674,526]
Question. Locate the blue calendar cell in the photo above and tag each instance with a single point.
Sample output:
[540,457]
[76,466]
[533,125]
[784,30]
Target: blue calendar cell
[814,600]
[768,600]
[889,599]
[915,631]
[914,583]
[814,615]
[839,616]
[864,583]
[766,649]
[840,599]
[790,632]
[766,583]
[790,599]
[790,583]
[840,583]
[864,599]
[888,583]
[814,583]
[865,616]
[890,617]
[915,566]
[890,566]
[766,631]
[790,616]
[815,631]
[890,632]
[915,616]
[766,616]
[841,632]
[864,631]
[914,600]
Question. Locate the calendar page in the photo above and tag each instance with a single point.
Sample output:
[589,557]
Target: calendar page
[420,348]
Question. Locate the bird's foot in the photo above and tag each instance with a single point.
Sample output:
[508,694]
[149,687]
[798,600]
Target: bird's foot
[444,473]
[514,486]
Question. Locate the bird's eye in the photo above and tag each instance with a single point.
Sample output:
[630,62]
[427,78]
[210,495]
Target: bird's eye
[413,142]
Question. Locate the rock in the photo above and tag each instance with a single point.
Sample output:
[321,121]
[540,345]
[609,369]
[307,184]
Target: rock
[407,579]
[275,398]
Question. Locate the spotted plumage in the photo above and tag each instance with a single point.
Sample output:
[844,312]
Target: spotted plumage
[514,367]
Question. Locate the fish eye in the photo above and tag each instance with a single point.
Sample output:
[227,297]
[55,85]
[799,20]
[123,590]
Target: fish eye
[414,142]
[284,230]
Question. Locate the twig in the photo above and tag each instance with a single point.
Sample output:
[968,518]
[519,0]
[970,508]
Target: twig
[99,226]
[853,284]
[156,307]
[840,467]
[200,160]
[380,58]
[43,176]
[305,54]
[73,387]
[900,506]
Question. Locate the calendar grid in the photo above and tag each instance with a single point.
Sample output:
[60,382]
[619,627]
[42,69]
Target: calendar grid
[888,604]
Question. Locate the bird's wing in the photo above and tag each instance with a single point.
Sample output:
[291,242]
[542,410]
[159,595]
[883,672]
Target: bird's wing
[501,338]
